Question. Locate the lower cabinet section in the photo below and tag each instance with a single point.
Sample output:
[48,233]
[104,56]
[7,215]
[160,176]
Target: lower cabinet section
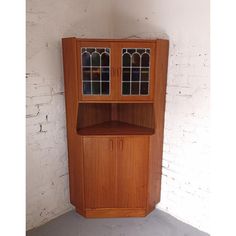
[115,175]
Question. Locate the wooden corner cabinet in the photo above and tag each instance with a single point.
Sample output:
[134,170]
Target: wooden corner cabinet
[115,101]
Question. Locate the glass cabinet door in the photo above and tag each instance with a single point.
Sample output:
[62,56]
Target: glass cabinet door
[136,71]
[95,71]
[115,70]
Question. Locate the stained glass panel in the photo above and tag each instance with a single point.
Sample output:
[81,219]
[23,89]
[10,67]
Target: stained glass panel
[95,71]
[135,71]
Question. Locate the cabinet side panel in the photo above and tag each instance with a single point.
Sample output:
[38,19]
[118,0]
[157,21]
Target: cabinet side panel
[156,141]
[71,98]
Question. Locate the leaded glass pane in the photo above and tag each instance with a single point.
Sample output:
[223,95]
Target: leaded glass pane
[86,88]
[126,74]
[145,59]
[135,88]
[144,74]
[105,87]
[126,59]
[135,74]
[86,73]
[100,50]
[144,88]
[135,71]
[95,71]
[95,59]
[105,59]
[126,88]
[135,60]
[105,74]
[86,59]
[131,50]
[95,87]
[90,50]
[141,51]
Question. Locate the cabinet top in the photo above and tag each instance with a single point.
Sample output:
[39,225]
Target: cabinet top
[116,40]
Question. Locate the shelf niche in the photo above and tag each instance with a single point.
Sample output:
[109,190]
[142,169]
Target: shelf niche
[115,118]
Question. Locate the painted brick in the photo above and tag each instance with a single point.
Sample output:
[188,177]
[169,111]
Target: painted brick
[47,164]
[39,100]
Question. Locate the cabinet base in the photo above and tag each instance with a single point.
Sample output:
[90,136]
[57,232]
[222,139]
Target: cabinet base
[113,212]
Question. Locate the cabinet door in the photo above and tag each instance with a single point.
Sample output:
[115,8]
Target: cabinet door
[95,70]
[136,66]
[132,171]
[99,172]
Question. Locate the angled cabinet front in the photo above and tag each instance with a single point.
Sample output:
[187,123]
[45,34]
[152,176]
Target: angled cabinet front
[95,70]
[115,103]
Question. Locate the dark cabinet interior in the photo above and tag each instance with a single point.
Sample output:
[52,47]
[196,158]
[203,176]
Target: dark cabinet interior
[110,118]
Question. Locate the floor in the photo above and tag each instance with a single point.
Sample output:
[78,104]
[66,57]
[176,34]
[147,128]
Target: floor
[157,223]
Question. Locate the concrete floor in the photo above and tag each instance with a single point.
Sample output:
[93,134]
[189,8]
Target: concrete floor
[157,223]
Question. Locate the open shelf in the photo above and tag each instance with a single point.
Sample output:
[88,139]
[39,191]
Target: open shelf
[115,128]
[115,119]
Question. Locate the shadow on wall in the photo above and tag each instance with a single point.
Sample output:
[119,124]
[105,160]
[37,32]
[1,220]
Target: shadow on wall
[121,25]
[90,25]
[136,27]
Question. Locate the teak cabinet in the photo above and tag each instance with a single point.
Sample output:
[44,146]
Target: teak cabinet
[115,102]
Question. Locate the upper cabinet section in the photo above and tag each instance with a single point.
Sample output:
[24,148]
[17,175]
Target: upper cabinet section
[119,70]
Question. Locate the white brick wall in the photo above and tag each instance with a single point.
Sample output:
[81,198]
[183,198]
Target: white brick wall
[185,187]
[47,169]
[185,179]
